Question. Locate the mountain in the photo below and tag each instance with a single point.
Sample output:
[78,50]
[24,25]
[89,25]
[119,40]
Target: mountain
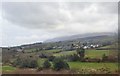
[80,36]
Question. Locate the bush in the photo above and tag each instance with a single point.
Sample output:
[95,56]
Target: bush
[16,62]
[73,57]
[104,57]
[81,53]
[43,55]
[33,64]
[39,68]
[46,64]
[51,58]
[25,63]
[59,64]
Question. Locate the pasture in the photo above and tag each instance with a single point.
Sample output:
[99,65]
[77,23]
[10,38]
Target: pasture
[93,53]
[8,68]
[85,67]
[96,53]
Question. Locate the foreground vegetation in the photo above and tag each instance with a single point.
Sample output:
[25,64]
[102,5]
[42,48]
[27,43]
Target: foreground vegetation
[81,67]
[84,67]
[8,68]
[90,61]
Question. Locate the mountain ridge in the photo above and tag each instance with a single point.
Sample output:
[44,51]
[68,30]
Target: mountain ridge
[72,37]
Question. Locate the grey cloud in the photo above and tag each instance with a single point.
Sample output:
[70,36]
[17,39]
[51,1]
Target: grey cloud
[53,14]
[108,7]
[59,16]
[33,15]
[41,21]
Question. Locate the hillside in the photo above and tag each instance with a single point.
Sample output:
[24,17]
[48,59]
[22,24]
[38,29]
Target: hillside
[79,36]
[93,38]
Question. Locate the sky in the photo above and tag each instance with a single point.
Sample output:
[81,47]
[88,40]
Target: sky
[30,22]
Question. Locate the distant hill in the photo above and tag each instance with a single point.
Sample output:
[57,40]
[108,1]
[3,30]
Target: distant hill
[101,38]
[82,36]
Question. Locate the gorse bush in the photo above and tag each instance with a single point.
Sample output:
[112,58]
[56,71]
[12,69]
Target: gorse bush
[46,64]
[59,64]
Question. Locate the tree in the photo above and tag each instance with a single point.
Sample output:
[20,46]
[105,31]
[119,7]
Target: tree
[81,52]
[104,57]
[73,57]
[59,64]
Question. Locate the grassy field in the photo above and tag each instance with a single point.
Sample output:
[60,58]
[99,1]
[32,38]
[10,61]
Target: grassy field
[92,53]
[79,67]
[43,51]
[88,53]
[50,51]
[110,46]
[8,68]
[88,66]
[96,53]
[112,67]
[30,50]
[64,53]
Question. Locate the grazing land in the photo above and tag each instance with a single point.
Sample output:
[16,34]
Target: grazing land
[112,67]
[8,68]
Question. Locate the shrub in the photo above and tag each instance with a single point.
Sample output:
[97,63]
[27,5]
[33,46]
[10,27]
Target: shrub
[33,63]
[25,63]
[81,52]
[51,58]
[73,57]
[59,64]
[46,64]
[39,68]
[104,57]
[43,55]
[16,62]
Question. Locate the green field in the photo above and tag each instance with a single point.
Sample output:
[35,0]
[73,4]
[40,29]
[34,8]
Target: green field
[80,67]
[8,68]
[96,53]
[110,46]
[92,53]
[42,51]
[30,50]
[64,53]
[112,67]
[88,53]
[50,51]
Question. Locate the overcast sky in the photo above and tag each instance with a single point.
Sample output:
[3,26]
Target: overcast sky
[38,21]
